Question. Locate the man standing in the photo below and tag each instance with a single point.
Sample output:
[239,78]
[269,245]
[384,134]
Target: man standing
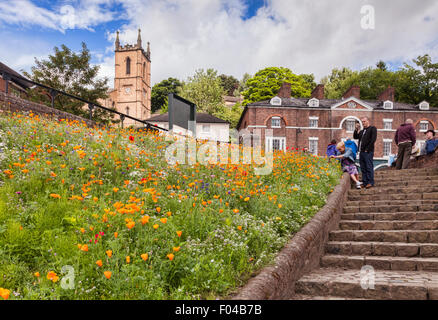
[405,138]
[367,138]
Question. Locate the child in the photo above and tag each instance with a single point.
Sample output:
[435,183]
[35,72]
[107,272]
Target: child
[347,162]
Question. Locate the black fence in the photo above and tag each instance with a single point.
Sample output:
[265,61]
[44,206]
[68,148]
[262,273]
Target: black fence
[23,82]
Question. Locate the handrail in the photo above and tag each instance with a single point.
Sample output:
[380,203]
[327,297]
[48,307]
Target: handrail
[91,105]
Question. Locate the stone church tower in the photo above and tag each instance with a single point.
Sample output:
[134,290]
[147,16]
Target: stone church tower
[132,82]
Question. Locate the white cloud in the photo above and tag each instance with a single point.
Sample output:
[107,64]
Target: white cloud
[74,14]
[309,36]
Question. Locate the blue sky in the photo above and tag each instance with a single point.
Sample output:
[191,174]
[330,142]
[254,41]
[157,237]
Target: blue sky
[231,36]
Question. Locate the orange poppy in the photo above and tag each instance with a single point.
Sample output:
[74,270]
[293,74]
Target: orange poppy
[99,263]
[107,274]
[144,256]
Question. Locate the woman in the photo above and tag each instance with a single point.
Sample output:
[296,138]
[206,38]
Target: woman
[347,162]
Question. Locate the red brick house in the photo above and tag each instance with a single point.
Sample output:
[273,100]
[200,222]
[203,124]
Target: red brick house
[313,122]
[16,87]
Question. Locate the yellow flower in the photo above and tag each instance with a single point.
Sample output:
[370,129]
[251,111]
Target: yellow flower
[156,226]
[115,189]
[128,259]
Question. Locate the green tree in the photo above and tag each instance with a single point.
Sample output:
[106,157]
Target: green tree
[243,83]
[161,90]
[420,83]
[266,83]
[229,83]
[204,89]
[336,84]
[73,73]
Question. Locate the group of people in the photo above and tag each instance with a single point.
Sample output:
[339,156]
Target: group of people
[346,152]
[405,138]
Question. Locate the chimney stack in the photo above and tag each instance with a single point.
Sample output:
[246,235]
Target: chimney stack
[285,90]
[388,94]
[318,92]
[353,91]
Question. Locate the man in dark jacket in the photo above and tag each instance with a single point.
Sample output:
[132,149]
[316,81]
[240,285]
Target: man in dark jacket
[367,138]
[405,138]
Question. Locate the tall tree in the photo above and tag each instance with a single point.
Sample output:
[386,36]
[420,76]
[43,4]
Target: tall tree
[161,90]
[73,73]
[204,88]
[229,83]
[266,83]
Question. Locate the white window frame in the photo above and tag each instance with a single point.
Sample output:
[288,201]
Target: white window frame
[275,101]
[313,119]
[275,118]
[388,105]
[269,143]
[206,126]
[346,125]
[422,123]
[313,103]
[385,122]
[424,105]
[313,140]
[385,141]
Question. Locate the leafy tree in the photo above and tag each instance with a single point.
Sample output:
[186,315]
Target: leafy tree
[243,83]
[204,89]
[231,114]
[419,83]
[161,90]
[336,84]
[309,81]
[266,83]
[381,65]
[229,83]
[73,73]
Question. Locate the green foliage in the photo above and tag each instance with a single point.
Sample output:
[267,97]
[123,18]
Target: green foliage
[73,73]
[413,84]
[205,89]
[229,83]
[161,90]
[266,83]
[57,191]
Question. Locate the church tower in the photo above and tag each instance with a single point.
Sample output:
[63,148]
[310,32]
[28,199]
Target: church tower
[132,82]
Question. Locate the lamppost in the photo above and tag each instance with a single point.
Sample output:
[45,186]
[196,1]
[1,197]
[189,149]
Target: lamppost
[296,136]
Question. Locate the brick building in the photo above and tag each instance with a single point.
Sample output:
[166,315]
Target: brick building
[13,86]
[313,122]
[132,82]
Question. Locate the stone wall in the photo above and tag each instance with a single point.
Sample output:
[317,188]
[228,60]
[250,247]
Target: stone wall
[300,255]
[426,161]
[11,103]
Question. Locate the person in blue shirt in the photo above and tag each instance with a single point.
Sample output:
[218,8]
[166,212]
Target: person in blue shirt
[431,142]
[331,149]
[346,156]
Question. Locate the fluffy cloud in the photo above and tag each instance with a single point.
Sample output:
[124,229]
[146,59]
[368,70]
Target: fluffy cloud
[309,36]
[73,14]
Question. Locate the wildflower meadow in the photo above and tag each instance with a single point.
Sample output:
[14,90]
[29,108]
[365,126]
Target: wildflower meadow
[98,213]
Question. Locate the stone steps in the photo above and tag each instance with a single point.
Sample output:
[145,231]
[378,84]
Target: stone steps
[380,262]
[377,190]
[379,203]
[388,225]
[388,285]
[407,236]
[383,216]
[397,179]
[392,230]
[431,205]
[398,249]
[392,196]
[405,182]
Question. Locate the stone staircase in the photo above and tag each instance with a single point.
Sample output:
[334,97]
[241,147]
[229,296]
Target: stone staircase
[393,228]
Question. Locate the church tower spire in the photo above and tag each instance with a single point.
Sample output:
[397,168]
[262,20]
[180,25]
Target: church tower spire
[117,41]
[139,39]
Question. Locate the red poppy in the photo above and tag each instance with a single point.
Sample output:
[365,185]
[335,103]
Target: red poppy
[131,138]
